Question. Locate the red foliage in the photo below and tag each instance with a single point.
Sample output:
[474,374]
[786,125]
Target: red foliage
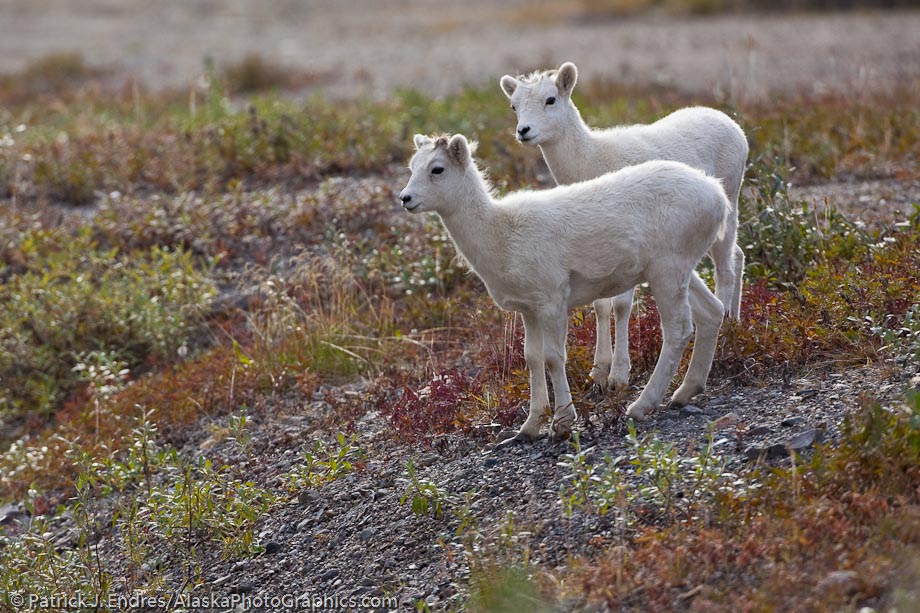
[435,407]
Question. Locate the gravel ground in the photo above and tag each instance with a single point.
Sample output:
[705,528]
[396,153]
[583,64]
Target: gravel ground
[355,537]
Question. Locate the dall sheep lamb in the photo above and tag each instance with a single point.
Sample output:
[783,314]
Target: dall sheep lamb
[541,252]
[700,137]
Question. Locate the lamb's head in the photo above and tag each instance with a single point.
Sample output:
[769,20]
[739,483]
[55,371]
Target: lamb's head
[441,169]
[543,103]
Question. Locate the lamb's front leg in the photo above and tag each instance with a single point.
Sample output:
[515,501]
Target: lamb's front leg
[539,396]
[555,326]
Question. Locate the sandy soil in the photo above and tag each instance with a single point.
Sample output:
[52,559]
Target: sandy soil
[372,46]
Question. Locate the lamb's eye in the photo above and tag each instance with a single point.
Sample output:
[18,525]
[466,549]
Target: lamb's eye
[551,100]
[437,171]
[513,108]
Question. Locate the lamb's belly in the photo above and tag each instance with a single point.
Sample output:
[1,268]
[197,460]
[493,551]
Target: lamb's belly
[515,301]
[585,290]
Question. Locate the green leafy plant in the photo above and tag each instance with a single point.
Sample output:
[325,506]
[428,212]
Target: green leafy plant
[426,496]
[71,300]
[324,464]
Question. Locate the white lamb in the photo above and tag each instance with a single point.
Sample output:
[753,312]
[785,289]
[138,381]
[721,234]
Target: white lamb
[700,137]
[541,252]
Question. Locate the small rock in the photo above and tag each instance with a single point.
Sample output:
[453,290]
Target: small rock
[243,587]
[11,512]
[759,430]
[840,582]
[489,462]
[329,574]
[803,440]
[271,547]
[504,435]
[303,524]
[367,534]
[770,452]
[308,497]
[429,459]
[690,410]
[791,422]
[729,420]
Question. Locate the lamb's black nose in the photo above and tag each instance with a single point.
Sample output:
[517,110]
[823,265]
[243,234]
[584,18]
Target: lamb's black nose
[406,198]
[524,130]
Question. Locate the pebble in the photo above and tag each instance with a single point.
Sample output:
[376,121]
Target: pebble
[243,587]
[804,440]
[367,534]
[429,459]
[308,497]
[329,574]
[691,410]
[840,583]
[791,422]
[729,420]
[272,547]
[759,430]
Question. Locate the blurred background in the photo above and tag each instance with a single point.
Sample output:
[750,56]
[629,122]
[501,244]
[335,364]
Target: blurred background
[736,49]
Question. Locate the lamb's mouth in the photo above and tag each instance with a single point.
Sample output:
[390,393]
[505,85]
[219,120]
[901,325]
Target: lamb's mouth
[409,209]
[525,139]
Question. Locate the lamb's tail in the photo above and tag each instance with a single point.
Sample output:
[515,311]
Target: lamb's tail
[727,208]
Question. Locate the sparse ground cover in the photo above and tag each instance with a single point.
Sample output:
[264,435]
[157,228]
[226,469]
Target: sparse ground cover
[199,293]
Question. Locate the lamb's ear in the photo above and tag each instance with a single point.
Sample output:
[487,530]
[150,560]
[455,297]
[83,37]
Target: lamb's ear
[508,84]
[420,140]
[566,78]
[459,149]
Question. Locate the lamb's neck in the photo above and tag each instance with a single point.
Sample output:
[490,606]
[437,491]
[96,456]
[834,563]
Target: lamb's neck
[472,228]
[582,153]
[567,156]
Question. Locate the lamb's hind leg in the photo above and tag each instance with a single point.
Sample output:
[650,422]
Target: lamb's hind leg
[676,328]
[603,350]
[723,256]
[619,373]
[611,362]
[707,318]
[738,256]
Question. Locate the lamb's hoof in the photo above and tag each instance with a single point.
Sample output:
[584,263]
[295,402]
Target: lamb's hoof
[682,396]
[618,384]
[599,377]
[639,413]
[520,437]
[596,393]
[561,429]
[618,380]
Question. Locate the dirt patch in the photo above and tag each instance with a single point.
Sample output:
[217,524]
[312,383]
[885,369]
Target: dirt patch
[369,47]
[875,203]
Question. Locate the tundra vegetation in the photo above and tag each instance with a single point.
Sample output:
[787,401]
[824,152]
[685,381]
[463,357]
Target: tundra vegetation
[180,270]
